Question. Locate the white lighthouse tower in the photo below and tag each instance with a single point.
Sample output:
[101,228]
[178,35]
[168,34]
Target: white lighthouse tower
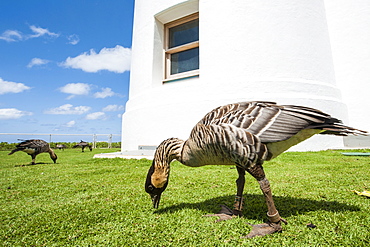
[189,57]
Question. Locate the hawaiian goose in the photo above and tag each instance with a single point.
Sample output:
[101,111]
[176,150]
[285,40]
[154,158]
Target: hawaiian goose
[35,147]
[83,145]
[61,146]
[243,134]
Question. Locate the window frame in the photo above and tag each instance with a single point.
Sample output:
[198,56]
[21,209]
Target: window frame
[169,51]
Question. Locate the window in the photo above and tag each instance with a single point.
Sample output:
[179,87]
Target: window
[182,47]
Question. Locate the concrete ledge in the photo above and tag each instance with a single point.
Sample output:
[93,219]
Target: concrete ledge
[357,141]
[136,154]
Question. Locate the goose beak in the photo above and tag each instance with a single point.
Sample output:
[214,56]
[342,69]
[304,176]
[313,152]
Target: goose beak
[155,200]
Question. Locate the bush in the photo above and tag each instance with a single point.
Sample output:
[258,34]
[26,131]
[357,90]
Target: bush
[5,146]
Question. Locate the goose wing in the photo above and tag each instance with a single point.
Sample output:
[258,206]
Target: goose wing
[80,144]
[272,122]
[32,144]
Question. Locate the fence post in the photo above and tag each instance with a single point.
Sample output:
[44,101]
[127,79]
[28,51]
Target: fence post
[110,137]
[94,141]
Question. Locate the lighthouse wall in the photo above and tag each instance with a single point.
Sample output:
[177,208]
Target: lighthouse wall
[249,50]
[349,29]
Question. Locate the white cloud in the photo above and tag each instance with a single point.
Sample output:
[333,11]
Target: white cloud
[114,108]
[115,59]
[37,61]
[68,109]
[11,87]
[15,35]
[39,31]
[75,89]
[12,113]
[73,39]
[96,115]
[106,92]
[70,124]
[11,36]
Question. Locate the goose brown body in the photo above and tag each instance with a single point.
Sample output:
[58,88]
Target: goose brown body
[61,146]
[83,145]
[245,135]
[34,148]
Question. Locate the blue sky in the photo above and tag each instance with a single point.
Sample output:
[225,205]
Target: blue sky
[64,66]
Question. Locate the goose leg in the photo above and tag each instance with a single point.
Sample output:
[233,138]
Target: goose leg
[238,203]
[226,213]
[33,159]
[274,223]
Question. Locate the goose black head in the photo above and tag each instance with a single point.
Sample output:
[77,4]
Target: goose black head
[55,158]
[53,155]
[154,192]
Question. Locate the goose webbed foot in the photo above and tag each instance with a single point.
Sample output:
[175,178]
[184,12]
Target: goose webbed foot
[272,226]
[264,229]
[225,214]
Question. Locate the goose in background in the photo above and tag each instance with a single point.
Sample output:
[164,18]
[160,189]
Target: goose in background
[35,147]
[83,145]
[61,146]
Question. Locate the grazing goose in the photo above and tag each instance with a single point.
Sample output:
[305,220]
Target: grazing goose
[60,146]
[83,145]
[245,135]
[35,147]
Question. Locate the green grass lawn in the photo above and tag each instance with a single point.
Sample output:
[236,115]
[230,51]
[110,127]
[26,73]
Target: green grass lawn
[81,201]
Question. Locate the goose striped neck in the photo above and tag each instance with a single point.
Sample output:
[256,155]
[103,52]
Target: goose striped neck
[167,151]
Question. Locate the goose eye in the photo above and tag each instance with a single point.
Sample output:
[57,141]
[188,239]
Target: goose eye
[151,187]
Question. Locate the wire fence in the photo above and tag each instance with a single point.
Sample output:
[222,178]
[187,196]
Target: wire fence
[109,138]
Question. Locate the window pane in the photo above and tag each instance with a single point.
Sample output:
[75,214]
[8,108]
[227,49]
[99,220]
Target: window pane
[185,61]
[184,33]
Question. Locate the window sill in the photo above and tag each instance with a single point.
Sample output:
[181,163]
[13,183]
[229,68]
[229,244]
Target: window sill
[182,76]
